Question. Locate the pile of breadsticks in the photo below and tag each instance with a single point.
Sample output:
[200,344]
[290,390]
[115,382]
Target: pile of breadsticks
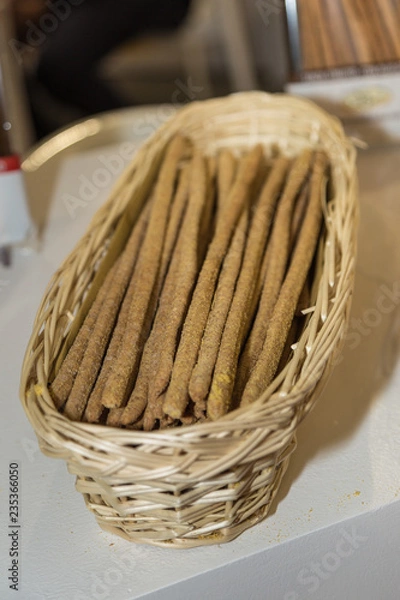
[198,313]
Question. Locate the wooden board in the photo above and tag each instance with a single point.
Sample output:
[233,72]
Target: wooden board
[342,33]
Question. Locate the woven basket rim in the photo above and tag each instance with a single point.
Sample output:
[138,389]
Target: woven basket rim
[236,418]
[208,482]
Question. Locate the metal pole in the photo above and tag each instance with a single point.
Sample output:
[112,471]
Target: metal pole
[292,17]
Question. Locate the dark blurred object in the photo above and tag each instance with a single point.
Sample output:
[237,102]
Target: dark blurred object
[13,100]
[25,13]
[71,37]
[210,55]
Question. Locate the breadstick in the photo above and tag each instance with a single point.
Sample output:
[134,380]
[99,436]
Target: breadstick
[290,340]
[96,403]
[64,380]
[280,323]
[242,374]
[114,289]
[261,279]
[125,367]
[188,270]
[212,163]
[140,395]
[166,422]
[200,380]
[259,286]
[139,400]
[207,220]
[174,223]
[298,214]
[200,409]
[114,417]
[93,357]
[94,407]
[239,313]
[278,250]
[153,413]
[177,394]
[226,174]
[304,299]
[189,418]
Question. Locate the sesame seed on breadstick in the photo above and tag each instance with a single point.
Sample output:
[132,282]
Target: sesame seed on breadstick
[284,310]
[177,210]
[177,395]
[139,400]
[102,331]
[188,270]
[61,387]
[200,380]
[94,407]
[226,170]
[117,386]
[298,213]
[220,397]
[278,250]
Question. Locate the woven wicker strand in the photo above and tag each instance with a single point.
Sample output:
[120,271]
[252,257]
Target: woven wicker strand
[205,483]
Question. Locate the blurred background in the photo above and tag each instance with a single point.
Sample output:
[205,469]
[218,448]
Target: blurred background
[81,57]
[87,56]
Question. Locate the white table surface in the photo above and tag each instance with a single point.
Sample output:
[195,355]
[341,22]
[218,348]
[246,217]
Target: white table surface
[334,529]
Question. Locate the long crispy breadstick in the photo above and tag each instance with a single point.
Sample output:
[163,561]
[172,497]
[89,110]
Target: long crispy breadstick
[261,279]
[207,224]
[278,250]
[212,163]
[94,407]
[239,314]
[94,353]
[188,270]
[304,299]
[202,373]
[153,413]
[298,214]
[200,380]
[177,394]
[64,380]
[290,340]
[96,401]
[178,209]
[139,399]
[124,368]
[114,417]
[226,175]
[259,287]
[285,308]
[242,375]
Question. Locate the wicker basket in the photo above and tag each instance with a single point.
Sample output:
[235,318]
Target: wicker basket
[206,483]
